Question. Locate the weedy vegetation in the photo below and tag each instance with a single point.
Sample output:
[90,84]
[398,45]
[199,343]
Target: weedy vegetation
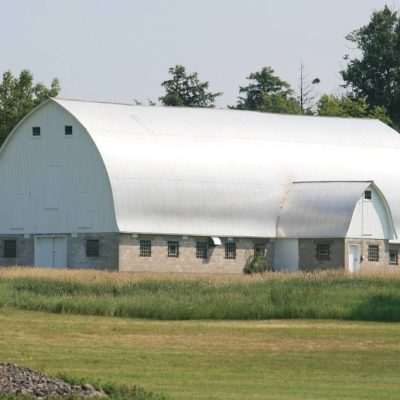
[187,297]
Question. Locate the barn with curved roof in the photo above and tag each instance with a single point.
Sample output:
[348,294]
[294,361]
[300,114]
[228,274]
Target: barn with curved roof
[104,185]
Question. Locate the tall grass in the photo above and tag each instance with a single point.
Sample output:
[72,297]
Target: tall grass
[181,297]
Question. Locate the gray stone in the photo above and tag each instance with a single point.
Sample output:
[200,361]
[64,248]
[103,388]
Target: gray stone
[24,381]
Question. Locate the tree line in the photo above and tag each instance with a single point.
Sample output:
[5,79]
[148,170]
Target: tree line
[371,84]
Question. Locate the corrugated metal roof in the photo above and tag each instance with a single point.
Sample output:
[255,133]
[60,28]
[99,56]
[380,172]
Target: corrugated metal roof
[319,209]
[224,172]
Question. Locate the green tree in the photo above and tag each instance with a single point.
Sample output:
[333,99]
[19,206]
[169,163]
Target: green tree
[375,74]
[186,90]
[18,96]
[347,106]
[266,92]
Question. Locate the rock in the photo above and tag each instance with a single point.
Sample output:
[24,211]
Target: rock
[21,380]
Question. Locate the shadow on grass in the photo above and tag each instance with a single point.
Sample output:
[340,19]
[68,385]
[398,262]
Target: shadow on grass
[378,308]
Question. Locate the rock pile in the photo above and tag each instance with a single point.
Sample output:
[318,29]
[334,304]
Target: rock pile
[24,381]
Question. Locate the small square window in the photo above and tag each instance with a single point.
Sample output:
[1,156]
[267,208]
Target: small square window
[145,248]
[394,257]
[68,130]
[202,250]
[323,252]
[173,249]
[10,249]
[36,131]
[92,248]
[230,250]
[373,253]
[368,195]
[259,250]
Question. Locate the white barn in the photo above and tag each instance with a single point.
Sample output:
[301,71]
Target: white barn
[131,188]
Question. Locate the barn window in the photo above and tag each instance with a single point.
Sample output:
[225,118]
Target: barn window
[36,131]
[145,248]
[10,248]
[202,249]
[368,195]
[373,253]
[68,130]
[173,249]
[92,248]
[394,257]
[323,252]
[230,250]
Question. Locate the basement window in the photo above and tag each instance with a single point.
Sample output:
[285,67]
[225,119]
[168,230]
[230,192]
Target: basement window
[394,257]
[145,248]
[36,131]
[10,249]
[202,250]
[373,253]
[368,195]
[68,130]
[230,250]
[173,249]
[323,252]
[92,248]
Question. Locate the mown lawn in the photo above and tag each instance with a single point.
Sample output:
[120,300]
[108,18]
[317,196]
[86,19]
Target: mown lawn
[212,359]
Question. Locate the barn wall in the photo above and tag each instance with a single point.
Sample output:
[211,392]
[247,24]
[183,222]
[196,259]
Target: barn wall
[308,254]
[368,266]
[53,183]
[286,255]
[108,252]
[130,260]
[24,251]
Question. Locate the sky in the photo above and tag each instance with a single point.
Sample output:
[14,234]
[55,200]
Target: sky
[120,50]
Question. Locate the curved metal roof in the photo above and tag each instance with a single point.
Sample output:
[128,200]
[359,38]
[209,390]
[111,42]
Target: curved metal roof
[224,172]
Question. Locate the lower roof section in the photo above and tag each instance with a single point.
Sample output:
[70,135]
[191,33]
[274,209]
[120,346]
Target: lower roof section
[319,209]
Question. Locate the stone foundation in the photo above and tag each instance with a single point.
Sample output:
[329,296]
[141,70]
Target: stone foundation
[122,252]
[108,252]
[130,259]
[308,260]
[366,265]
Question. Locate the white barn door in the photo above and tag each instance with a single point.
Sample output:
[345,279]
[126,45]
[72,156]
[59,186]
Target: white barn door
[354,258]
[51,252]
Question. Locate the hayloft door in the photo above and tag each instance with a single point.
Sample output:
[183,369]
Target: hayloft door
[354,258]
[51,251]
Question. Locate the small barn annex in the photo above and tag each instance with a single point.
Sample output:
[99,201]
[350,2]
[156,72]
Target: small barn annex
[131,188]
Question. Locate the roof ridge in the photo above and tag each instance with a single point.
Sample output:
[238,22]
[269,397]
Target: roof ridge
[93,101]
[314,117]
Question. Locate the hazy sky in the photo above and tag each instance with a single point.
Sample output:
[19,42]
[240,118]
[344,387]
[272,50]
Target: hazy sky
[121,49]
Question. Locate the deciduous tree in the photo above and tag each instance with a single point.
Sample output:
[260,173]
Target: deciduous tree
[18,96]
[374,75]
[347,106]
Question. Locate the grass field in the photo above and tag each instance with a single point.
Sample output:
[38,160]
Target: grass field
[168,297]
[210,359]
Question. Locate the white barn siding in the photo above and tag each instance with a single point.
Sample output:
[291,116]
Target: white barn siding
[53,183]
[370,219]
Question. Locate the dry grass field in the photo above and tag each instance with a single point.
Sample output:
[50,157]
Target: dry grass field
[326,295]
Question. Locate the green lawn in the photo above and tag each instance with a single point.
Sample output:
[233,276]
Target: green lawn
[211,359]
